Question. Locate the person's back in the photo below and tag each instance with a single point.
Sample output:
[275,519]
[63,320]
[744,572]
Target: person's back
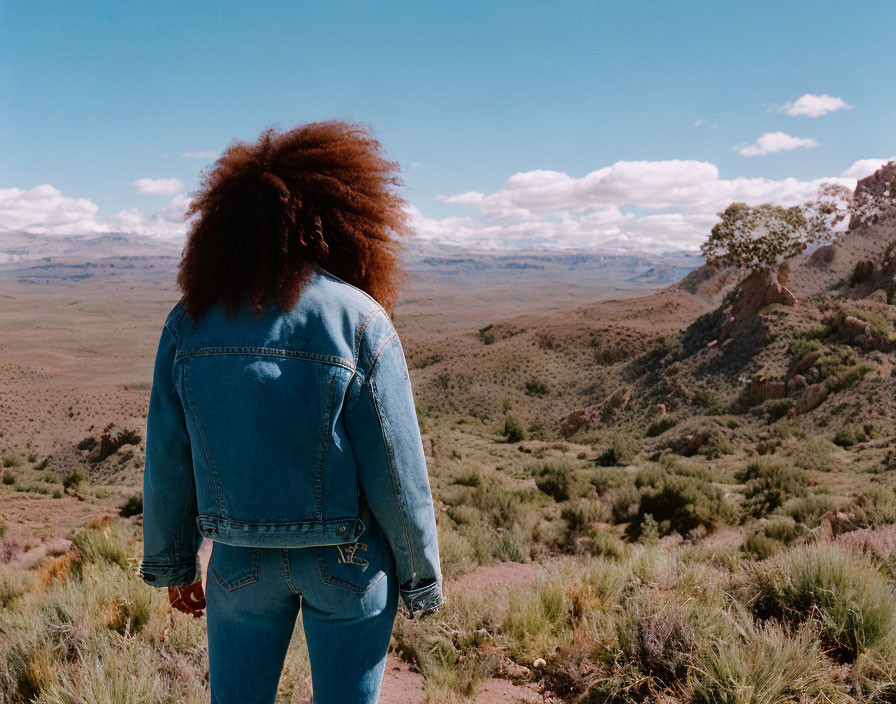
[286,433]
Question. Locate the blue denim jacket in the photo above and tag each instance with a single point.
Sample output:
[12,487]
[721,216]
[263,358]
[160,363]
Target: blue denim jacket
[279,430]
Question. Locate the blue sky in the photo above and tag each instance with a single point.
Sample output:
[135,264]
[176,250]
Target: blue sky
[100,96]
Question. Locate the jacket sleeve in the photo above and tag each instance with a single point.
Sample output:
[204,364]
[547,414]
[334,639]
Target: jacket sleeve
[381,423]
[170,536]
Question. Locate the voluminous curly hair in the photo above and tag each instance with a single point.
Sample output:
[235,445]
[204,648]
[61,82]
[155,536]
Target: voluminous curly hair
[320,193]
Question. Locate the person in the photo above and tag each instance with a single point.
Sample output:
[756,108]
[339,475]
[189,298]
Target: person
[281,421]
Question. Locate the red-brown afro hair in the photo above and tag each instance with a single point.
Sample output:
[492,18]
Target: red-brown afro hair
[320,193]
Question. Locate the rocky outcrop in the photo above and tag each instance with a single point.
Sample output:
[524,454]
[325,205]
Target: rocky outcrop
[762,390]
[812,397]
[596,415]
[110,441]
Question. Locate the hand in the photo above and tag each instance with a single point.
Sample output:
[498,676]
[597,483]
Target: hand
[189,599]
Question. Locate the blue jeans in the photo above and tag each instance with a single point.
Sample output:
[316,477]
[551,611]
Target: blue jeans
[348,595]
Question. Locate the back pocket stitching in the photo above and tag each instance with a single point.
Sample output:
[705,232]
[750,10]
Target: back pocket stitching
[329,579]
[241,580]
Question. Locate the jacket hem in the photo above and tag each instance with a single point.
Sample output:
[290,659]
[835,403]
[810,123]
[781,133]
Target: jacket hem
[281,535]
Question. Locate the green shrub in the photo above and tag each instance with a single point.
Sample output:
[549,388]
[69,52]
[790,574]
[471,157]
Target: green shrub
[555,479]
[501,507]
[861,272]
[649,530]
[876,506]
[816,454]
[513,544]
[471,477]
[624,502]
[784,530]
[132,506]
[661,425]
[849,435]
[621,450]
[605,478]
[769,485]
[73,479]
[581,514]
[808,510]
[679,503]
[513,429]
[536,387]
[780,408]
[606,544]
[759,546]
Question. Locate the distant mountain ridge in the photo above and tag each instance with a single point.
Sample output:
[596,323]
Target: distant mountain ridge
[30,256]
[25,247]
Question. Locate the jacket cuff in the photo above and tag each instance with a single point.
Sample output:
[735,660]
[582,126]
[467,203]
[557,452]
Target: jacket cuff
[170,574]
[422,600]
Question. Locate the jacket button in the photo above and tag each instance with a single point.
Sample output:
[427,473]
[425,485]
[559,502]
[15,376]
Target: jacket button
[340,530]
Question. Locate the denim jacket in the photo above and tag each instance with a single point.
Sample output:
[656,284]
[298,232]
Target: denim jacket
[280,430]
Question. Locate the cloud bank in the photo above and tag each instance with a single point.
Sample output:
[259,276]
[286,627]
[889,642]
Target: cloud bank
[631,205]
[627,206]
[45,210]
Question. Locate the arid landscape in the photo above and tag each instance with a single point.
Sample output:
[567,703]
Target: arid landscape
[652,483]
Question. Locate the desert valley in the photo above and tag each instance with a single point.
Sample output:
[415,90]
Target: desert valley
[649,486]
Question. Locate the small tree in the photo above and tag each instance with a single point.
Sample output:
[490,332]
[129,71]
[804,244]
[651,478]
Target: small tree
[763,238]
[755,238]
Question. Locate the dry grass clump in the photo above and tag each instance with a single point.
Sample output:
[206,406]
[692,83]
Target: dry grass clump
[88,629]
[768,665]
[847,597]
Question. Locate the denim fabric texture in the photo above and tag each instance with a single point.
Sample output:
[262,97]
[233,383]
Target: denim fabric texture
[347,595]
[277,431]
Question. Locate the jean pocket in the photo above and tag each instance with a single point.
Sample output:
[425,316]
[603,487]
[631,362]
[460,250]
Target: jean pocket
[350,566]
[233,566]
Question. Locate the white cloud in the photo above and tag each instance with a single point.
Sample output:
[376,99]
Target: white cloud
[159,186]
[200,155]
[699,121]
[631,205]
[165,224]
[772,142]
[865,167]
[43,209]
[810,105]
[468,198]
